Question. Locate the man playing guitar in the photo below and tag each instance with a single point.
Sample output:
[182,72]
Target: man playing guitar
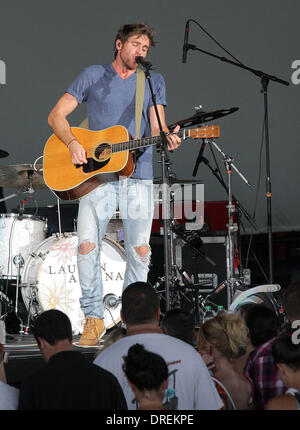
[109,91]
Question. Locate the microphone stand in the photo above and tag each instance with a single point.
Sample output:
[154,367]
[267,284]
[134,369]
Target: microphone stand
[238,207]
[204,160]
[165,189]
[232,227]
[265,78]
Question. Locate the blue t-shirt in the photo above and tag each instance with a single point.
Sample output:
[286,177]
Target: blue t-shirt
[111,101]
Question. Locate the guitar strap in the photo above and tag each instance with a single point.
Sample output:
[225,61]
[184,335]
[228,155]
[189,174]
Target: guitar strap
[139,100]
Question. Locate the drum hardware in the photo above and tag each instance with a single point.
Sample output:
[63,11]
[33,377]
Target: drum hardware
[232,280]
[233,250]
[18,261]
[33,299]
[3,154]
[4,298]
[200,117]
[193,239]
[59,216]
[22,175]
[181,287]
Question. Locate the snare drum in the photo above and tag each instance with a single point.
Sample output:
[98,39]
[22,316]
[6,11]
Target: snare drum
[50,279]
[19,235]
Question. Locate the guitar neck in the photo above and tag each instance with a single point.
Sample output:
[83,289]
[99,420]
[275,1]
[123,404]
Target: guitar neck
[131,145]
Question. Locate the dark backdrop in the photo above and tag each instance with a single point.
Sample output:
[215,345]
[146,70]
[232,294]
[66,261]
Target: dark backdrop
[45,44]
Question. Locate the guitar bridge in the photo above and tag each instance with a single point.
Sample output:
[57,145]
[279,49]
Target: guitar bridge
[92,165]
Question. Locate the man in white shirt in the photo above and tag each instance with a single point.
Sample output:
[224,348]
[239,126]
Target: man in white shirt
[190,386]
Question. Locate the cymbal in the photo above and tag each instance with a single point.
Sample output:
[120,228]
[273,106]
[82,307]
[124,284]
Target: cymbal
[3,154]
[19,175]
[203,117]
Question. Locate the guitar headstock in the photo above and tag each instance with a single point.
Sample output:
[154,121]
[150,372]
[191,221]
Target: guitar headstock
[204,132]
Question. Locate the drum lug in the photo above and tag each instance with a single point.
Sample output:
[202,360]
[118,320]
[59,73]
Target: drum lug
[42,255]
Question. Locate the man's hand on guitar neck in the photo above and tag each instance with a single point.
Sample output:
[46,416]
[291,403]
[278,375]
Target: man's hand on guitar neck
[77,153]
[174,141]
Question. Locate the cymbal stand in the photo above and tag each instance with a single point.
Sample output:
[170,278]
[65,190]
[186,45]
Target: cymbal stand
[32,299]
[232,227]
[59,216]
[181,285]
[19,262]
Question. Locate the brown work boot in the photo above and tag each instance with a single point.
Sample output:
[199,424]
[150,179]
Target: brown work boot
[93,330]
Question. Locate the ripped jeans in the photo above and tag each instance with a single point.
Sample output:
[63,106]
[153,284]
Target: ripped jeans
[134,198]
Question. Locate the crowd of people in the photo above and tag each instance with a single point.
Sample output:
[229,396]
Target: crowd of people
[164,362]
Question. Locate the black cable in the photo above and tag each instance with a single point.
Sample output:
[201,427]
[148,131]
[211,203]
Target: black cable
[256,201]
[260,157]
[222,47]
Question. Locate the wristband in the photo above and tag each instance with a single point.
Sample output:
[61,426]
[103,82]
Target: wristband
[71,142]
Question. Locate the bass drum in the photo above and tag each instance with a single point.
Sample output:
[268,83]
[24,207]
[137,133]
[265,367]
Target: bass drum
[245,297]
[50,279]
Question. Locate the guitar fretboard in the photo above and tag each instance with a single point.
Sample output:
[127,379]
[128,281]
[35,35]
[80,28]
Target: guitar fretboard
[130,145]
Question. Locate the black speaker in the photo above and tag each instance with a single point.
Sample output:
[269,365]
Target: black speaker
[207,269]
[211,260]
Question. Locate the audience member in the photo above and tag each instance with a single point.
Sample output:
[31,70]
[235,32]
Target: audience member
[260,367]
[286,355]
[115,334]
[224,338]
[180,324]
[68,380]
[190,386]
[147,374]
[263,324]
[9,395]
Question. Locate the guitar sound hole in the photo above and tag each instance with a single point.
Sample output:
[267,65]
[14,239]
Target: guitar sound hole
[103,151]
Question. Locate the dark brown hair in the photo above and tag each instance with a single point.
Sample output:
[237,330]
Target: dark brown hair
[140,303]
[145,369]
[129,30]
[291,302]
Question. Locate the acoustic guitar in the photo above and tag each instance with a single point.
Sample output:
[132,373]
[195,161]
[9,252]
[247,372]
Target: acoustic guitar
[110,154]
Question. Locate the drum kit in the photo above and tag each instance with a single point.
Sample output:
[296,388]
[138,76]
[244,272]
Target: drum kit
[39,272]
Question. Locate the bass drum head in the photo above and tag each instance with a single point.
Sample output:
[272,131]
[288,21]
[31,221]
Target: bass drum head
[50,279]
[264,299]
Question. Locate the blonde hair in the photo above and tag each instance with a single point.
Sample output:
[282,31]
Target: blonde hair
[116,333]
[226,332]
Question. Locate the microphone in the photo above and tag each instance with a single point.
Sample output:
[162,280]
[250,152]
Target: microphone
[111,301]
[185,277]
[143,62]
[185,43]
